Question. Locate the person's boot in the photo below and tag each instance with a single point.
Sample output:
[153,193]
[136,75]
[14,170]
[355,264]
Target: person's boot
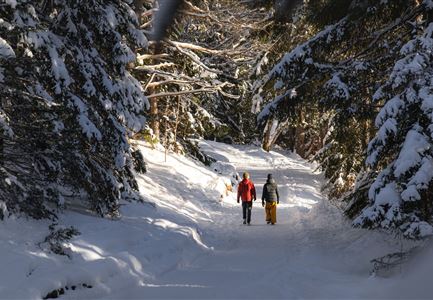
[245,222]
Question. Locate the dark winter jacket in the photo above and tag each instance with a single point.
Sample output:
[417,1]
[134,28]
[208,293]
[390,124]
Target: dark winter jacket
[246,191]
[270,191]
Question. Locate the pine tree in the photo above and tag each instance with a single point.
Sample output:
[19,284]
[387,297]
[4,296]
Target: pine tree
[402,150]
[359,58]
[68,104]
[333,72]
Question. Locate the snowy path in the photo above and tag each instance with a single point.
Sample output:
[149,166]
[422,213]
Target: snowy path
[189,245]
[311,253]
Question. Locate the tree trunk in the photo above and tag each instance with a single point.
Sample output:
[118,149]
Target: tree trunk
[154,112]
[154,118]
[267,144]
[176,122]
[273,130]
[300,135]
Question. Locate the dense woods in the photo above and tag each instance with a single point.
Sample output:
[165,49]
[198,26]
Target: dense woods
[347,84]
[358,83]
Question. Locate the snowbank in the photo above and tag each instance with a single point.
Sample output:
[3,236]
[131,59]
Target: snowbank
[185,241]
[149,239]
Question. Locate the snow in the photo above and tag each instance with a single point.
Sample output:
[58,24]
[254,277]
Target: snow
[407,66]
[278,84]
[41,92]
[124,54]
[338,88]
[378,94]
[390,110]
[186,241]
[110,14]
[287,71]
[360,65]
[419,181]
[388,127]
[407,175]
[4,124]
[271,106]
[6,50]
[411,153]
[5,25]
[11,3]
[387,195]
[411,194]
[303,51]
[87,126]
[25,18]
[428,3]
[256,103]
[262,63]
[59,70]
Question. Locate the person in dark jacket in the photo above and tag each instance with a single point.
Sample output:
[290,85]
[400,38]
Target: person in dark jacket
[246,192]
[272,198]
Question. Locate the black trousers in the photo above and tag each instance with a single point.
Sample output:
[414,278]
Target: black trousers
[246,210]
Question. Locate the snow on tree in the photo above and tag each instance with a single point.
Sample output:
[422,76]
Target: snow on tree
[402,150]
[326,81]
[69,104]
[311,90]
[350,64]
[198,78]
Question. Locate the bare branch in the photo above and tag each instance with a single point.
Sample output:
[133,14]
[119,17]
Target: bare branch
[173,81]
[167,94]
[153,67]
[195,47]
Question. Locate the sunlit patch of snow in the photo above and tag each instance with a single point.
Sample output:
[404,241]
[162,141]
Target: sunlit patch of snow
[187,242]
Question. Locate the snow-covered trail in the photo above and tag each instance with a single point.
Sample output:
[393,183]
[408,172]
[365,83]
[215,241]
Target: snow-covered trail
[190,244]
[312,252]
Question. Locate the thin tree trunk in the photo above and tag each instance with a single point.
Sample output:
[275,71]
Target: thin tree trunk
[267,137]
[154,121]
[300,134]
[177,120]
[154,112]
[166,141]
[272,132]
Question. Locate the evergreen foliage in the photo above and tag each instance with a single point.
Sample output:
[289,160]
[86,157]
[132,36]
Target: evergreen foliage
[345,83]
[353,60]
[401,195]
[68,104]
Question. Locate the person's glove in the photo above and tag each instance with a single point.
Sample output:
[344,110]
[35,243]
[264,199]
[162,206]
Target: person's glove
[263,203]
[255,199]
[278,201]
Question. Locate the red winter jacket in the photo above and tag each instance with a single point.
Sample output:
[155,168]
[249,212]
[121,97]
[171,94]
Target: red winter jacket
[246,190]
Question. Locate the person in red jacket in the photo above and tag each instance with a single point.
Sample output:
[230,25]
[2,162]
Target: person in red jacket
[246,192]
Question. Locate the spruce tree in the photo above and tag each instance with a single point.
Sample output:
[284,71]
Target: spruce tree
[328,79]
[362,58]
[402,150]
[68,104]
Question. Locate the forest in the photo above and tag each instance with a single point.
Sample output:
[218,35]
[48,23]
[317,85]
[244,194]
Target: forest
[343,83]
[346,85]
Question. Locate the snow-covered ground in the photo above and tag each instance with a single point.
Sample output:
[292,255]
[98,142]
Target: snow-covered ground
[190,242]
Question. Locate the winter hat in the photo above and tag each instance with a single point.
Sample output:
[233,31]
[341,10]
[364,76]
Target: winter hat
[246,175]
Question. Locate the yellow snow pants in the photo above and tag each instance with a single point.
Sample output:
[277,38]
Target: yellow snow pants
[271,212]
